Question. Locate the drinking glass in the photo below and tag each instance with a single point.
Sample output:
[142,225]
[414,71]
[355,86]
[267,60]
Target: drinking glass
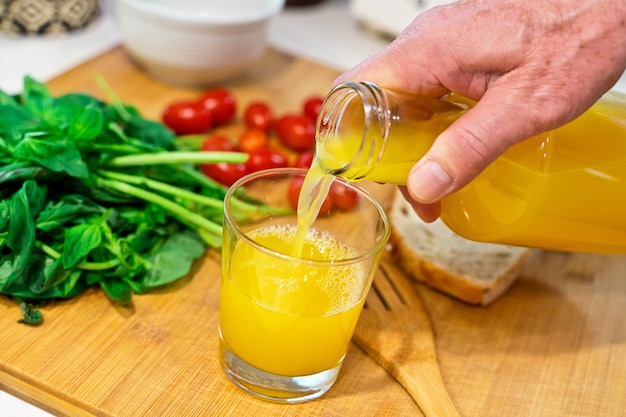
[288,309]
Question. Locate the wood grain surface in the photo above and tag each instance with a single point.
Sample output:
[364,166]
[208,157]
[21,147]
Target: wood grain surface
[553,345]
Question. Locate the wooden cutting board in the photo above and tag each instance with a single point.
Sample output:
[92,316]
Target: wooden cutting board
[554,345]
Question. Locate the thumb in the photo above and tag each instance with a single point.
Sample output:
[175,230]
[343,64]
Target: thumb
[468,146]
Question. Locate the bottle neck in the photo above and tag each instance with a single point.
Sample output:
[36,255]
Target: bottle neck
[352,129]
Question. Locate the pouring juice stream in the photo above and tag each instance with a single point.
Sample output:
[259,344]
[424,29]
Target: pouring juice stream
[314,190]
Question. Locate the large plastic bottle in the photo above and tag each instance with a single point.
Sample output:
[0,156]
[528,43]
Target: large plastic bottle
[562,190]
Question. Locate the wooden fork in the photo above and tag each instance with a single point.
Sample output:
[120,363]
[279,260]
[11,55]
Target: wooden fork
[395,330]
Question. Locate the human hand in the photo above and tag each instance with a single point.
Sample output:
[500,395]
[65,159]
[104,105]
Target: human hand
[532,66]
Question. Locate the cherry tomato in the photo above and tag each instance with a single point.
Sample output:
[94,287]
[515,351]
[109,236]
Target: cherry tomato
[293,194]
[266,158]
[221,103]
[218,143]
[296,132]
[258,115]
[253,139]
[224,173]
[186,117]
[344,197]
[312,106]
[304,160]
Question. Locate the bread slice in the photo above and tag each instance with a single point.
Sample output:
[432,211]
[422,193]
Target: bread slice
[474,272]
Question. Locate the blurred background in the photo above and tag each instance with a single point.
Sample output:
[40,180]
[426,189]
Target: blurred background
[310,30]
[336,33]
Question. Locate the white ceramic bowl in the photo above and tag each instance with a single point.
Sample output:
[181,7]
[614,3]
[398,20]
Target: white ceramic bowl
[194,42]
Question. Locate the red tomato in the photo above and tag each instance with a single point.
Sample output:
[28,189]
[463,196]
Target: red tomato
[258,115]
[296,132]
[224,173]
[266,158]
[186,117]
[293,194]
[221,103]
[312,106]
[344,197]
[253,139]
[304,160]
[218,143]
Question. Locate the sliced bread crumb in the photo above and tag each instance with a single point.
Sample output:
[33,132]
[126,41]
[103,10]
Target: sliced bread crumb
[474,272]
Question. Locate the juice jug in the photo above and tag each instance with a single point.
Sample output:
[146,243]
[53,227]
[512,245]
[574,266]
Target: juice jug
[561,190]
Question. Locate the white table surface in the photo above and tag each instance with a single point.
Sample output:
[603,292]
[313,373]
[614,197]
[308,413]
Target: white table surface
[311,32]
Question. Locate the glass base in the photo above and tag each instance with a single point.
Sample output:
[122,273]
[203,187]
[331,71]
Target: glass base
[271,387]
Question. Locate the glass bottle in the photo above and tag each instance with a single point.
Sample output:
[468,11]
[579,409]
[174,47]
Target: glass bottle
[561,190]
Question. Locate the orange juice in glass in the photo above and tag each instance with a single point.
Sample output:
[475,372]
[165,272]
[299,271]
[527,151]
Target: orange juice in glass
[287,313]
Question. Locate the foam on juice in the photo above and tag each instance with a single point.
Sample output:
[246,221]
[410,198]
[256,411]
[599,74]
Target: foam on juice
[333,282]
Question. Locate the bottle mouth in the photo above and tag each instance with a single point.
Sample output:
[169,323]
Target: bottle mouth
[351,129]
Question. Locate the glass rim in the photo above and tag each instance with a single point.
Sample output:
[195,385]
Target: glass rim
[284,172]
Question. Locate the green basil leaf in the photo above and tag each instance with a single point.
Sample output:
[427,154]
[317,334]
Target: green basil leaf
[87,124]
[117,290]
[48,279]
[173,261]
[33,88]
[79,100]
[4,215]
[73,285]
[43,107]
[83,116]
[7,99]
[58,155]
[15,121]
[6,268]
[24,205]
[79,241]
[150,132]
[38,280]
[21,171]
[68,209]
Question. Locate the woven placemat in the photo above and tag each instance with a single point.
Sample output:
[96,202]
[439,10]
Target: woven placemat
[46,17]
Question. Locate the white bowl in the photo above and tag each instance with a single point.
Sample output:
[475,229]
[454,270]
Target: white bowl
[194,42]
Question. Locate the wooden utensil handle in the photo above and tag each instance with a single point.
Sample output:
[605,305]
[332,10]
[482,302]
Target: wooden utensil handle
[423,381]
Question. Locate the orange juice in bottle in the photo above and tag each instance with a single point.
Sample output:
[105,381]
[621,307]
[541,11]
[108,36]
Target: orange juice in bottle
[561,190]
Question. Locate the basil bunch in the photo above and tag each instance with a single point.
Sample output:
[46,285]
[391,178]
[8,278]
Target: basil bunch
[94,194]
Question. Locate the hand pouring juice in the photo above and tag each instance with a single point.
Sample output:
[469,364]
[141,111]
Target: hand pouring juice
[562,190]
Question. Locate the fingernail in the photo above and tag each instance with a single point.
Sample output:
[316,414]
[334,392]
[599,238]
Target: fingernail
[429,181]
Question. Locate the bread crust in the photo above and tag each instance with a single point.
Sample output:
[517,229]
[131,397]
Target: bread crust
[467,286]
